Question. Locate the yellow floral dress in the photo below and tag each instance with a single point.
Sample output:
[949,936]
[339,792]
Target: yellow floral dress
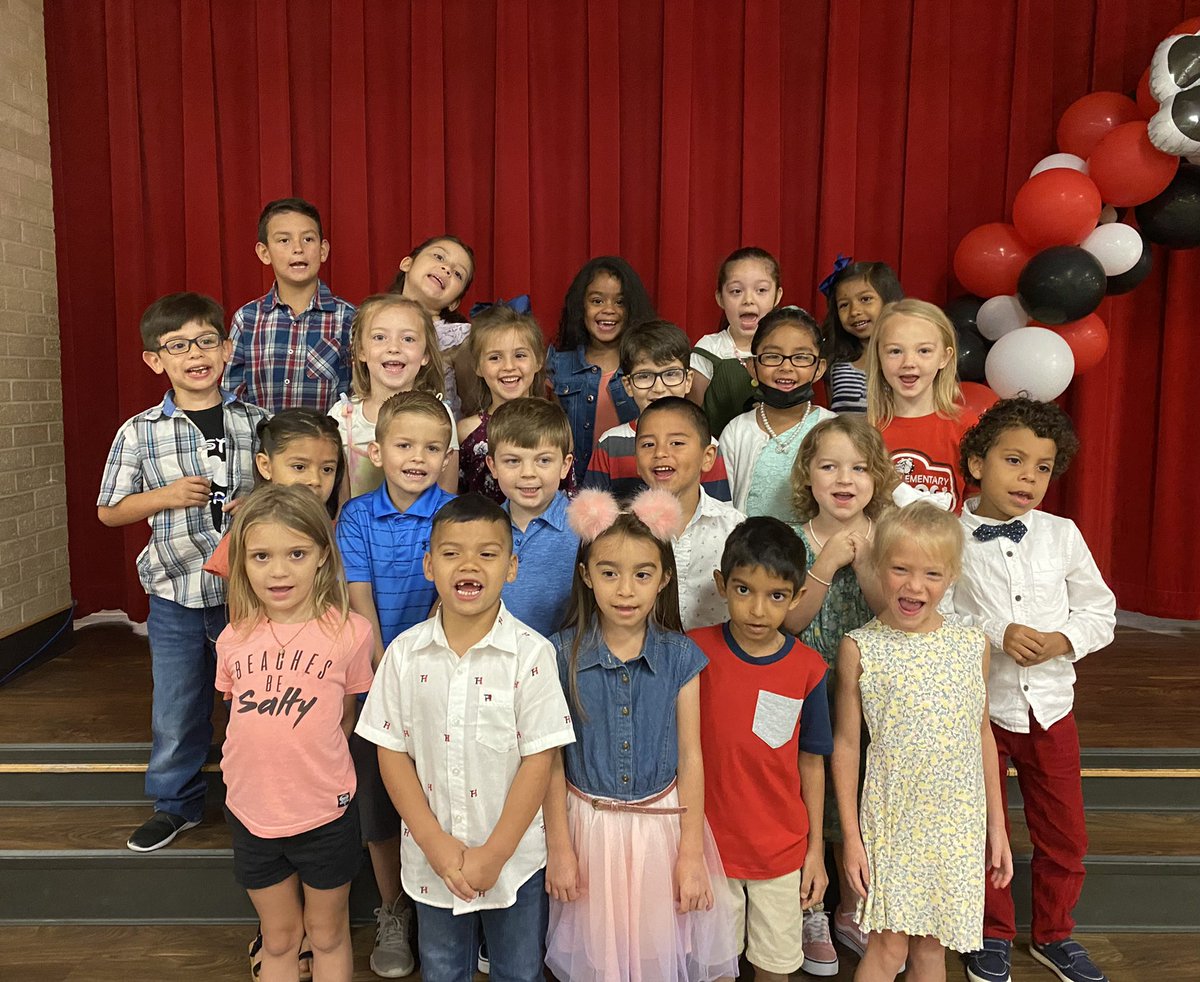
[924,812]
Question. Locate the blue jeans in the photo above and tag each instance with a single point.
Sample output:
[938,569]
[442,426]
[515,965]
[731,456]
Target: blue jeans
[516,937]
[184,662]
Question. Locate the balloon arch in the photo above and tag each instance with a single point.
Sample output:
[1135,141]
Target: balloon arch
[1028,325]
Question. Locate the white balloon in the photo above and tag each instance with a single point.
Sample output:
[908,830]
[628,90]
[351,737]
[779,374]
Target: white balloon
[1117,246]
[1108,215]
[1000,315]
[1033,362]
[1068,160]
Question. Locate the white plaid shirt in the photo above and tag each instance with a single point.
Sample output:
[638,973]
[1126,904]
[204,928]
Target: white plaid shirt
[150,451]
[280,360]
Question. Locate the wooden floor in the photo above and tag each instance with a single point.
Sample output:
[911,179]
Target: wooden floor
[216,953]
[1139,692]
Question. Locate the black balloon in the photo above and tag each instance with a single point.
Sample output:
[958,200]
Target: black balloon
[1062,284]
[963,310]
[972,354]
[1173,217]
[1131,277]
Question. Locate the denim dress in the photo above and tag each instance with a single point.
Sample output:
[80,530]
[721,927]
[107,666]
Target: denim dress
[576,387]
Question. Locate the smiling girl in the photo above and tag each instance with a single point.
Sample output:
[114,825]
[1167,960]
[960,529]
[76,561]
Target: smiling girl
[856,294]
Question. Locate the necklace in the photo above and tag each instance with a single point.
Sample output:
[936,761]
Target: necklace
[782,446]
[821,545]
[283,644]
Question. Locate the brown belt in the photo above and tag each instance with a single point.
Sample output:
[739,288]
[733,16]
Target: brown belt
[644,806]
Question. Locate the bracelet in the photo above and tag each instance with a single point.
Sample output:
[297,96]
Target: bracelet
[818,579]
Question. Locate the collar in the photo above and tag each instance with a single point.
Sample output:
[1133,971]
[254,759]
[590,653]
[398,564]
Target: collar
[555,514]
[971,521]
[167,407]
[503,634]
[706,507]
[323,299]
[781,652]
[430,500]
[592,655]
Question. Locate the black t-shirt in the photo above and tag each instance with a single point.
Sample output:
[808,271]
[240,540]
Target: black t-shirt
[212,424]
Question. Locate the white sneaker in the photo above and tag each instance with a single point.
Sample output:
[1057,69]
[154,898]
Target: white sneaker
[392,956]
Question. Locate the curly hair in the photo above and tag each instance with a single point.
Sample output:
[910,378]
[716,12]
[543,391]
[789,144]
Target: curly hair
[867,441]
[1045,419]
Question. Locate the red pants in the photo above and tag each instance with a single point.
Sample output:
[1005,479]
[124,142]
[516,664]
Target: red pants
[1047,763]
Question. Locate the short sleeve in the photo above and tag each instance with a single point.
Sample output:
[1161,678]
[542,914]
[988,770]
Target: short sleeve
[543,719]
[816,731]
[122,470]
[352,541]
[361,647]
[692,662]
[224,680]
[381,721]
[218,562]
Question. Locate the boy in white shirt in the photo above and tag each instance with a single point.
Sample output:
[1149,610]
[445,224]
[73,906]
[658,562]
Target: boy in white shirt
[1030,582]
[467,711]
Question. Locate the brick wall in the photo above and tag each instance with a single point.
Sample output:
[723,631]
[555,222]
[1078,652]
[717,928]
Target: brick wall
[34,575]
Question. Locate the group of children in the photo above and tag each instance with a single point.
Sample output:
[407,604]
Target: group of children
[571,665]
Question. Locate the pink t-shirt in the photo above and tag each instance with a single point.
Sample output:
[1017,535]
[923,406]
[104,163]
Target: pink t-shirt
[285,761]
[606,411]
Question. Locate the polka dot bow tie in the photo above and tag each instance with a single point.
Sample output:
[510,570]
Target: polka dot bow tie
[1014,530]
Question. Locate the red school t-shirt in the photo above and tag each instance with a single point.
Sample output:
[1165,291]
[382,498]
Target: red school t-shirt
[285,761]
[756,715]
[925,452]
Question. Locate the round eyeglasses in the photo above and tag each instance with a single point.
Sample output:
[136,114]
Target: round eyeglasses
[670,378]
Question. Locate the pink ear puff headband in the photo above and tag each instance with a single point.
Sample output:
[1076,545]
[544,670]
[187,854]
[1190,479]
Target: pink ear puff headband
[593,512]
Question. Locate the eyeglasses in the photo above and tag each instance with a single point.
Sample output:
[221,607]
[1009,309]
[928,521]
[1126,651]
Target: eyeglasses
[670,378]
[181,346]
[801,359]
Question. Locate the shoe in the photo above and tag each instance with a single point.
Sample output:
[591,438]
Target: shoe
[255,951]
[846,928]
[1068,960]
[991,963]
[482,962]
[820,957]
[306,959]
[392,956]
[159,830]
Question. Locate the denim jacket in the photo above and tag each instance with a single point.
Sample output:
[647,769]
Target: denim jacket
[576,386]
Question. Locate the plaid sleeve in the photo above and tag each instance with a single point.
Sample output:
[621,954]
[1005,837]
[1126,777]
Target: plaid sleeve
[235,371]
[122,470]
[344,367]
[352,542]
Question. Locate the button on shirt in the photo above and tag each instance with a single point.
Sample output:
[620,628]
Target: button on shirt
[282,360]
[545,554]
[697,553]
[386,547]
[1047,581]
[628,745]
[466,723]
[162,445]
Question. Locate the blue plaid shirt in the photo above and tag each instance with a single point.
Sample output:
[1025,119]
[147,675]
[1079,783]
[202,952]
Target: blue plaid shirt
[280,361]
[162,445]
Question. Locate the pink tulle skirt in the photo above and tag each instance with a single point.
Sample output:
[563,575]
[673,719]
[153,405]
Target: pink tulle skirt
[626,926]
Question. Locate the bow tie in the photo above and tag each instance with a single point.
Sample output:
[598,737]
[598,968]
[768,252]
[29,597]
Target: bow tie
[1014,530]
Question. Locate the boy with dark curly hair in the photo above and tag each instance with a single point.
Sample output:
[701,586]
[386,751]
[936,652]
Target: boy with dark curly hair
[1029,580]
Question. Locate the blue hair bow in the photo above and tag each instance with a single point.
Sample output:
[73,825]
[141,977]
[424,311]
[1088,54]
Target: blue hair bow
[826,285]
[520,303]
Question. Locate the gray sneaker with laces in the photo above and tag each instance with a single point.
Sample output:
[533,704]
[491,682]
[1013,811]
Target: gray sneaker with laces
[392,956]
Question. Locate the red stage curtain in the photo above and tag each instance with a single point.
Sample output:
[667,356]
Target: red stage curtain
[546,131]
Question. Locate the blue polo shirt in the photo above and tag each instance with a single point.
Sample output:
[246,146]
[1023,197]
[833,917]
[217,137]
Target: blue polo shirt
[385,547]
[545,554]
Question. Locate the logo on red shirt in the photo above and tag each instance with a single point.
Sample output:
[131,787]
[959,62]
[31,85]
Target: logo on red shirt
[923,474]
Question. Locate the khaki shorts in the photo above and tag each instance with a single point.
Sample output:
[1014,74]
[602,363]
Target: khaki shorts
[768,921]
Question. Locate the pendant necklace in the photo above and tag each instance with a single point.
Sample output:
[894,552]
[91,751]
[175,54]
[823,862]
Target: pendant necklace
[283,644]
[781,446]
[821,545]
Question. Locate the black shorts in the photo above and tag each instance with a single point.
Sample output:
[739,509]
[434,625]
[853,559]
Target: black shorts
[380,820]
[326,857]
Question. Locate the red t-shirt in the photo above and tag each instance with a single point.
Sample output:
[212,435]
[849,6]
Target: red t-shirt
[751,729]
[925,452]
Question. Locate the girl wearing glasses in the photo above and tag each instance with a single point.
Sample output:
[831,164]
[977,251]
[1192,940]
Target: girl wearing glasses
[760,445]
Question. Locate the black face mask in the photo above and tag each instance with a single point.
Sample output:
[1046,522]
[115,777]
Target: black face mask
[778,399]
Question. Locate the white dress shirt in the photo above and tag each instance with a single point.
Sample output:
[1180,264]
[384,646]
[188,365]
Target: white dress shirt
[697,553]
[1049,582]
[466,723]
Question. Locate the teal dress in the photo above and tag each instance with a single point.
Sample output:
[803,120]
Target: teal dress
[845,608]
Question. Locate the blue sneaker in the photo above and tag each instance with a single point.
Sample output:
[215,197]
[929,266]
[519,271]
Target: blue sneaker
[991,963]
[1068,960]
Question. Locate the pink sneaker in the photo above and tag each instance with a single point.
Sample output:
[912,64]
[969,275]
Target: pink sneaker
[820,957]
[848,933]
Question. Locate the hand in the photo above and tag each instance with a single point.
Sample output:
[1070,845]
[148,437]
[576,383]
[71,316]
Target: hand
[813,878]
[562,875]
[186,492]
[1000,861]
[1054,645]
[1023,644]
[481,868]
[694,890]
[862,551]
[854,862]
[838,551]
[446,855]
[230,507]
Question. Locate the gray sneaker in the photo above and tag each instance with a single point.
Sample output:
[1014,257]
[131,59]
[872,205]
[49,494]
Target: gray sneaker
[392,956]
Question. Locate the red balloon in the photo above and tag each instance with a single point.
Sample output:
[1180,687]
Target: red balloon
[1088,338]
[977,397]
[1090,118]
[1057,207]
[1129,169]
[1146,103]
[989,259]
